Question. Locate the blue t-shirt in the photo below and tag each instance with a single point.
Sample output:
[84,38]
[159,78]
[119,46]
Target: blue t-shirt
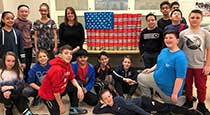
[170,65]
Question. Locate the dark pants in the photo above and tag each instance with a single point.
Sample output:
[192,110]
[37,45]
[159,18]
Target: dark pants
[29,92]
[52,107]
[28,59]
[1,62]
[51,55]
[122,87]
[89,98]
[19,101]
[150,59]
[163,108]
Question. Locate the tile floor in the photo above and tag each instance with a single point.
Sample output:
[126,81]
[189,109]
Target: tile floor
[42,110]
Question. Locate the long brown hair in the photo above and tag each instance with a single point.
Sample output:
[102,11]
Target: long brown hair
[16,68]
[48,8]
[75,15]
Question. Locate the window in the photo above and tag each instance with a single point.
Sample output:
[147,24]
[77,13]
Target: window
[111,4]
[147,4]
[76,4]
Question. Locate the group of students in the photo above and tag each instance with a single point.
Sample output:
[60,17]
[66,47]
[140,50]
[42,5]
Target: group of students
[184,58]
[184,61]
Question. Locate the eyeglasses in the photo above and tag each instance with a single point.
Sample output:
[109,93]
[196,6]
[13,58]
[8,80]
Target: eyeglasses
[165,8]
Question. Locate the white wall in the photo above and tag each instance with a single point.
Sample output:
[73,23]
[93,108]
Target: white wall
[12,5]
[185,5]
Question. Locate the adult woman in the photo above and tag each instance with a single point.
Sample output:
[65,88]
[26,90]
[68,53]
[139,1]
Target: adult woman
[71,31]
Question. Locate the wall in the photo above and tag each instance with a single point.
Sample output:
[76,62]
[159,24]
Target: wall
[12,5]
[1,6]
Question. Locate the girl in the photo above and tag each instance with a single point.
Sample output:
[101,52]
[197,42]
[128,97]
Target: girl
[10,38]
[11,85]
[103,72]
[125,78]
[71,32]
[25,25]
[36,74]
[45,36]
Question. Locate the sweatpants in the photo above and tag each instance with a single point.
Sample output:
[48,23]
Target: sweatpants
[52,107]
[150,105]
[200,80]
[146,81]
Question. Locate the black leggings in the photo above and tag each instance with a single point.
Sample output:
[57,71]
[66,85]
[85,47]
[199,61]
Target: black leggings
[19,101]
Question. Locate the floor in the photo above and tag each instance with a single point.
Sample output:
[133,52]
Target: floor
[41,109]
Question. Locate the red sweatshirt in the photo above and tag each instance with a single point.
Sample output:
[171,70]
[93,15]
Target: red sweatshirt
[56,79]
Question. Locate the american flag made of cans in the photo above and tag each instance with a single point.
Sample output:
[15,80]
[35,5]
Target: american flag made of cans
[109,31]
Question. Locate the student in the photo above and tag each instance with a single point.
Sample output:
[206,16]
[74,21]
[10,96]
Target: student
[11,38]
[168,75]
[195,43]
[55,81]
[125,78]
[25,25]
[176,5]
[36,75]
[176,17]
[165,10]
[45,35]
[103,73]
[11,85]
[150,35]
[136,106]
[71,31]
[85,75]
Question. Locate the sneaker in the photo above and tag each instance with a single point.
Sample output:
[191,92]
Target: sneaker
[202,108]
[76,110]
[188,104]
[194,112]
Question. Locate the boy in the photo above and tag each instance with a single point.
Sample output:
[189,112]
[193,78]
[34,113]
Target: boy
[85,75]
[25,25]
[165,20]
[176,5]
[136,106]
[168,75]
[150,35]
[176,17]
[55,82]
[195,42]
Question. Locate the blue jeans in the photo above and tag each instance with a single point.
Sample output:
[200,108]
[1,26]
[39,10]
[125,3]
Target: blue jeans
[150,59]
